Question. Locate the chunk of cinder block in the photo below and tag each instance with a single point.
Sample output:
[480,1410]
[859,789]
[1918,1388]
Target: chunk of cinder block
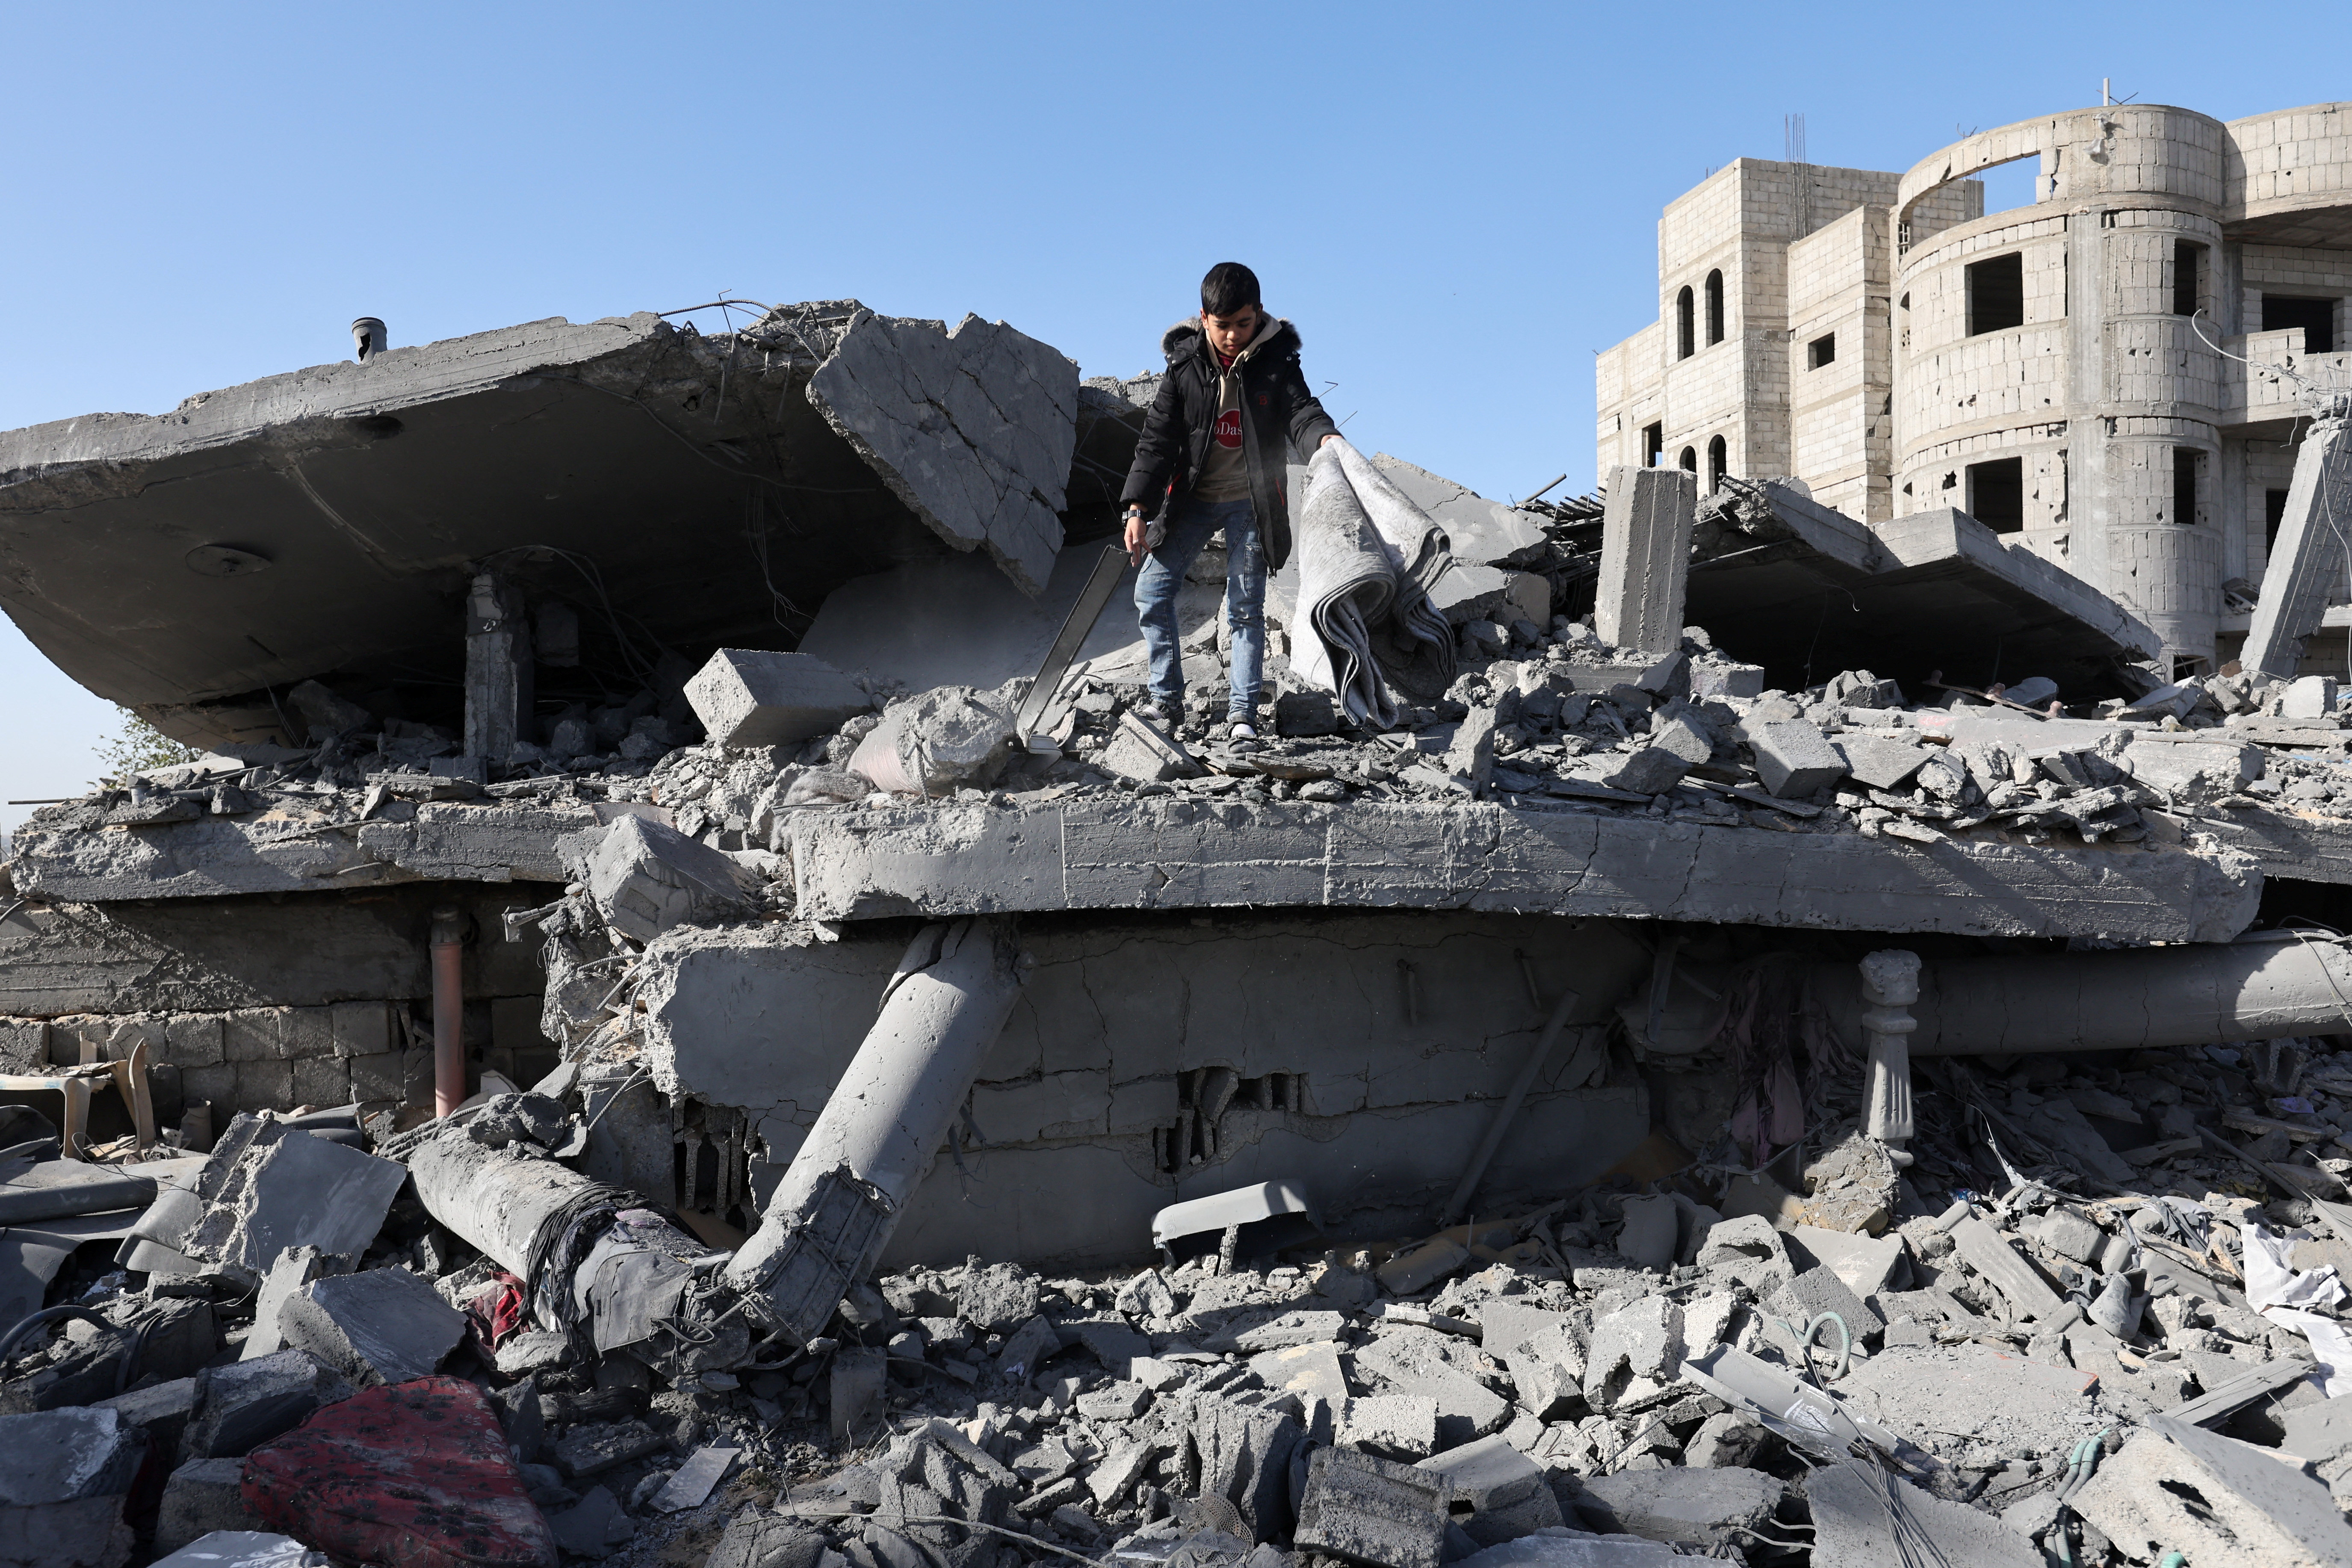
[1402,1426]
[59,1455]
[1374,1511]
[1880,762]
[247,1403]
[1675,745]
[647,876]
[200,1496]
[385,1325]
[2309,697]
[1793,758]
[747,697]
[1145,752]
[1818,1289]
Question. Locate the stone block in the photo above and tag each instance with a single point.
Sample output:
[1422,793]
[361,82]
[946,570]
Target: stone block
[1747,1249]
[2178,1487]
[751,698]
[1467,1408]
[89,1532]
[1714,679]
[1642,1340]
[1866,1264]
[265,1086]
[304,1033]
[200,1496]
[1818,1289]
[1793,758]
[647,876]
[1373,1511]
[1144,752]
[362,1028]
[1707,1507]
[1471,756]
[247,1403]
[252,1035]
[59,1455]
[320,1081]
[294,1268]
[24,1045]
[1646,537]
[2309,697]
[383,1076]
[2066,1230]
[160,1409]
[1676,743]
[1878,762]
[385,1325]
[1402,1426]
[1547,1370]
[194,1040]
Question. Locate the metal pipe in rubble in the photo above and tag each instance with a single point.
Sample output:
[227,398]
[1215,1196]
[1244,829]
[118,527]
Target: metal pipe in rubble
[882,1125]
[2202,995]
[448,946]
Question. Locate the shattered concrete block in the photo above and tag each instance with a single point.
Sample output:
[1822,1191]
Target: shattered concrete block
[1818,1291]
[89,1532]
[1747,1249]
[1373,1511]
[593,1448]
[1547,1370]
[296,1266]
[1243,1454]
[385,1325]
[1467,1408]
[59,1455]
[1677,744]
[1401,1425]
[1855,1525]
[1648,1236]
[947,738]
[1509,1494]
[2309,697]
[860,1379]
[1880,762]
[1725,1440]
[160,1409]
[647,876]
[200,1496]
[1027,1349]
[1305,713]
[973,429]
[1793,758]
[1866,1264]
[1715,678]
[2177,1486]
[245,1403]
[270,1187]
[1709,1507]
[1851,1186]
[1142,751]
[1470,758]
[1000,1296]
[1641,1340]
[2066,1230]
[747,698]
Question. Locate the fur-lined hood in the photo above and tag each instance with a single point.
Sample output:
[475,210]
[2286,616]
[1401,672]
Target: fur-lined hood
[1275,337]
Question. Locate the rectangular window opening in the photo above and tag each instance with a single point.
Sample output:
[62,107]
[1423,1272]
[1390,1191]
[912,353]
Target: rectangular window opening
[1822,350]
[2273,514]
[2188,260]
[1653,444]
[1997,293]
[1995,494]
[2184,485]
[2315,317]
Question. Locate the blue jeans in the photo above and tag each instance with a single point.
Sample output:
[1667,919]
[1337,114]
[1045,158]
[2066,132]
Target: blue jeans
[1190,527]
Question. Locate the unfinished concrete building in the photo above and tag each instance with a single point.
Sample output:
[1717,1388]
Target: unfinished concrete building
[2095,376]
[678,860]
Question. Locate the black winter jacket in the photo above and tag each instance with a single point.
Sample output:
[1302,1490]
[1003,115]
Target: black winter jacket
[1279,413]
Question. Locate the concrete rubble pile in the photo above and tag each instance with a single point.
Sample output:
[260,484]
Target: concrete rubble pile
[1647,1102]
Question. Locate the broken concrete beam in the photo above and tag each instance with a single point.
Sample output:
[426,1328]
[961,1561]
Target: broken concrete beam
[647,876]
[200,1496]
[1003,406]
[59,1455]
[385,1325]
[2306,561]
[747,697]
[247,1403]
[1793,758]
[882,1125]
[1373,1513]
[2177,1488]
[1645,541]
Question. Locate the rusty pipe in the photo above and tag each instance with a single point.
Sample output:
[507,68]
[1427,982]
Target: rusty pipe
[448,946]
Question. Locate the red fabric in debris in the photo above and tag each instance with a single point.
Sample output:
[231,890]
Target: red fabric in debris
[409,1475]
[496,1311]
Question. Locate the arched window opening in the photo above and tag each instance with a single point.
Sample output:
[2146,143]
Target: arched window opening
[1715,306]
[1717,457]
[1684,346]
[1689,460]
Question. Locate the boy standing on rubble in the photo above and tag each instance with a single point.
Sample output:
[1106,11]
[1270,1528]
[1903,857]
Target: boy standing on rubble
[1212,456]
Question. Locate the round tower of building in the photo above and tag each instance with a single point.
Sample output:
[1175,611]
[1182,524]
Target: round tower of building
[2050,375]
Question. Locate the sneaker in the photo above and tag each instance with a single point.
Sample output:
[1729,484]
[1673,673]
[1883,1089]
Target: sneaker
[1161,711]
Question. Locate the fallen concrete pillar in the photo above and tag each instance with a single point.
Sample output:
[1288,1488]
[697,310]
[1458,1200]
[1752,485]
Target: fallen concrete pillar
[497,668]
[2307,558]
[882,1123]
[1645,543]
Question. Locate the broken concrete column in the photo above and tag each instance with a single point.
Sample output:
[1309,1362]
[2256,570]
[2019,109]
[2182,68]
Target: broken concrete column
[1890,983]
[883,1124]
[497,668]
[2307,558]
[746,697]
[647,876]
[1645,543]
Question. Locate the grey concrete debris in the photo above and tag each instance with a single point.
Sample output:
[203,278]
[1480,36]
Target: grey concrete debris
[1374,1511]
[269,1186]
[244,1405]
[947,738]
[647,876]
[295,1267]
[199,1497]
[385,1325]
[1701,1506]
[1863,1516]
[746,697]
[60,1455]
[245,1548]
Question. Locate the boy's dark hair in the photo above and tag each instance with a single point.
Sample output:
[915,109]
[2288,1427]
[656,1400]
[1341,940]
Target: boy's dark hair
[1228,289]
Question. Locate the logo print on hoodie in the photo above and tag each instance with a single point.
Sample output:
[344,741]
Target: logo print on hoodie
[1229,429]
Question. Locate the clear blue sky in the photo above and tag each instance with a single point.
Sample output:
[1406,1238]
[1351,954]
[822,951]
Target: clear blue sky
[1456,203]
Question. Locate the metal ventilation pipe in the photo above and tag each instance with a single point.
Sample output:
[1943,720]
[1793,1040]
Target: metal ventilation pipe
[369,337]
[449,951]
